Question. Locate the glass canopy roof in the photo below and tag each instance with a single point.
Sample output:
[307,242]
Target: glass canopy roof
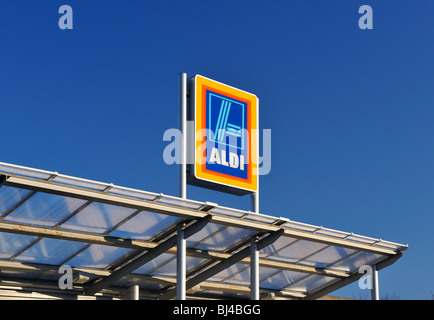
[48,220]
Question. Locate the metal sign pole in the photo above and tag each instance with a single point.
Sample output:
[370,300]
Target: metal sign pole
[181,243]
[255,201]
[180,264]
[254,269]
[375,292]
[255,195]
[182,96]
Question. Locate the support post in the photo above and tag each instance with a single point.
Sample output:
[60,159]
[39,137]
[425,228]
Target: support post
[375,292]
[255,195]
[255,201]
[181,263]
[182,96]
[254,269]
[134,292]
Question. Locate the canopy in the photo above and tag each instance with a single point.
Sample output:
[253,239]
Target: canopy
[48,220]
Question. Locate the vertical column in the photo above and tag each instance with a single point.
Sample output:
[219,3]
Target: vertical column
[375,292]
[255,201]
[180,263]
[254,269]
[182,95]
[134,292]
[255,195]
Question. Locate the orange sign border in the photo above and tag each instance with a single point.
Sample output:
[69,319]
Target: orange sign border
[201,84]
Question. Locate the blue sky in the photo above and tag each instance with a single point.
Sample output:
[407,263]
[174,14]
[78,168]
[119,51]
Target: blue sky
[350,110]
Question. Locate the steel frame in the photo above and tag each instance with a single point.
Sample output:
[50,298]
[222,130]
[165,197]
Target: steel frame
[193,220]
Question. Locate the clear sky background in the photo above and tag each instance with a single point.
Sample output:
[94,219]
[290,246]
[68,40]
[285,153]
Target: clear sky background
[351,111]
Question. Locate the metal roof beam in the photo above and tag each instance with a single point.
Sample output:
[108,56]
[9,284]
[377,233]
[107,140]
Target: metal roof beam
[48,232]
[146,257]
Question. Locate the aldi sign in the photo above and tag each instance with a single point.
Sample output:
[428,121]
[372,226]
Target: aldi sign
[226,127]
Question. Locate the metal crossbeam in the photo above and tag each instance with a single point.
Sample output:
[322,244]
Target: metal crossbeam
[146,257]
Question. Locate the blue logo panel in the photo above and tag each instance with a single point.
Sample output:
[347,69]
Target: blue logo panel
[227,138]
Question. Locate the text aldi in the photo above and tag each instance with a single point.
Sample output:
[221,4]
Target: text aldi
[226,123]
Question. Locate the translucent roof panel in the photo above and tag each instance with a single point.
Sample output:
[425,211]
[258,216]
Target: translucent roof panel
[44,209]
[165,265]
[50,251]
[298,251]
[98,256]
[145,226]
[154,264]
[10,197]
[11,243]
[310,283]
[272,250]
[235,274]
[217,237]
[353,262]
[328,256]
[169,267]
[277,279]
[97,218]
